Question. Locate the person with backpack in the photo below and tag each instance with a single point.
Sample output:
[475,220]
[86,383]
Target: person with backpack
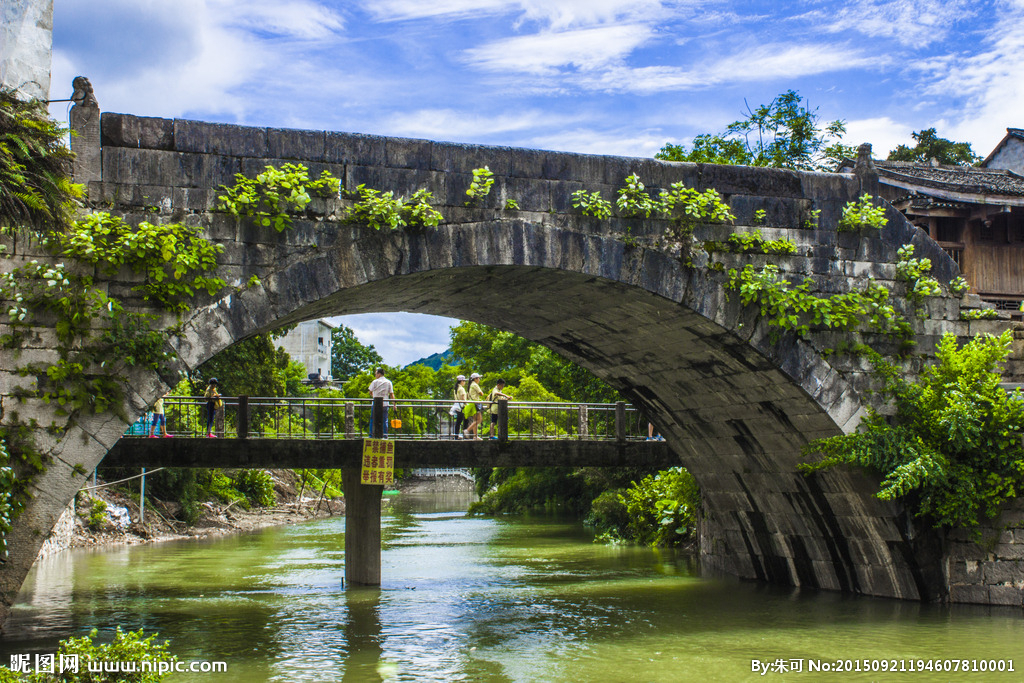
[213,402]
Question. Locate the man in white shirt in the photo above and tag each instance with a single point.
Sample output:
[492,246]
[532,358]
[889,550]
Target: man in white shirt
[380,386]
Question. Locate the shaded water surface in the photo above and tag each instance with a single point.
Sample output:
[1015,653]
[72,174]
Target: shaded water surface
[525,599]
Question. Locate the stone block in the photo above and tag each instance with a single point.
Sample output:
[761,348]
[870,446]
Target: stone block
[219,138]
[301,145]
[125,130]
[194,198]
[355,148]
[408,153]
[614,170]
[561,195]
[582,168]
[751,181]
[663,174]
[994,327]
[459,158]
[966,572]
[526,163]
[1006,595]
[967,551]
[1009,551]
[126,166]
[402,182]
[1003,572]
[530,195]
[825,575]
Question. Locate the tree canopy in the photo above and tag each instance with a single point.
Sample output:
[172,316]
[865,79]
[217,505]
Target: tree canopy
[490,351]
[254,367]
[781,134]
[928,145]
[349,356]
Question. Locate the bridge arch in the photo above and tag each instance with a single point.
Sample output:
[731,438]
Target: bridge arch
[734,404]
[735,401]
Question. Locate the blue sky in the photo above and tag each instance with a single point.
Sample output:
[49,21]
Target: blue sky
[600,76]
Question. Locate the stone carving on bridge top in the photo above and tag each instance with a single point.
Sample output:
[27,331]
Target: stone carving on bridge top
[85,121]
[734,396]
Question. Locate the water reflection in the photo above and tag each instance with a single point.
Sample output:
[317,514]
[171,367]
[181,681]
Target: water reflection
[531,599]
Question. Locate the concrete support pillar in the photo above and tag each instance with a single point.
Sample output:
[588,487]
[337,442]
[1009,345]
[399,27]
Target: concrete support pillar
[620,421]
[584,428]
[377,418]
[350,420]
[502,421]
[362,530]
[243,417]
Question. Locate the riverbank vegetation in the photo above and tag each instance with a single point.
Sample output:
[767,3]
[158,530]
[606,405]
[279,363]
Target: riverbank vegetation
[952,446]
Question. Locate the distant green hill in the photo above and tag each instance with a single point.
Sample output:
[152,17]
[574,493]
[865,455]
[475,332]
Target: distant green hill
[436,360]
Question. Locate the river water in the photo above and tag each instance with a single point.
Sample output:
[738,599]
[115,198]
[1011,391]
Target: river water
[470,599]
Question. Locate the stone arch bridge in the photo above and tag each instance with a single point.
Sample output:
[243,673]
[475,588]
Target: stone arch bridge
[734,400]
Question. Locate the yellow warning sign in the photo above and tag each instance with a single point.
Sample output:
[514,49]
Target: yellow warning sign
[378,462]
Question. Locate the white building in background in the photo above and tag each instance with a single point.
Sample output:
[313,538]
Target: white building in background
[310,344]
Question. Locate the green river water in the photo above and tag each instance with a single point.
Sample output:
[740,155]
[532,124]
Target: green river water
[471,599]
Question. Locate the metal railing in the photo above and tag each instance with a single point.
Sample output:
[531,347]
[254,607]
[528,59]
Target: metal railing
[413,419]
[443,472]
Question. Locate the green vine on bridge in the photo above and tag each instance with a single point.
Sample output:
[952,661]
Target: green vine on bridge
[862,214]
[274,196]
[97,334]
[795,308]
[380,210]
[752,243]
[276,193]
[785,306]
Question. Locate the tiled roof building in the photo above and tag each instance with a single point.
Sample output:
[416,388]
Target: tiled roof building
[1009,153]
[975,213]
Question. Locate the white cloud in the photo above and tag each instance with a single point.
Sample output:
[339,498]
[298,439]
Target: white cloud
[758,64]
[553,14]
[630,143]
[408,10]
[542,53]
[192,55]
[882,132]
[300,19]
[986,87]
[400,338]
[911,22]
[459,125]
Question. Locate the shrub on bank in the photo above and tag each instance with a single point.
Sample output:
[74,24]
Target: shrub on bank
[659,510]
[127,647]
